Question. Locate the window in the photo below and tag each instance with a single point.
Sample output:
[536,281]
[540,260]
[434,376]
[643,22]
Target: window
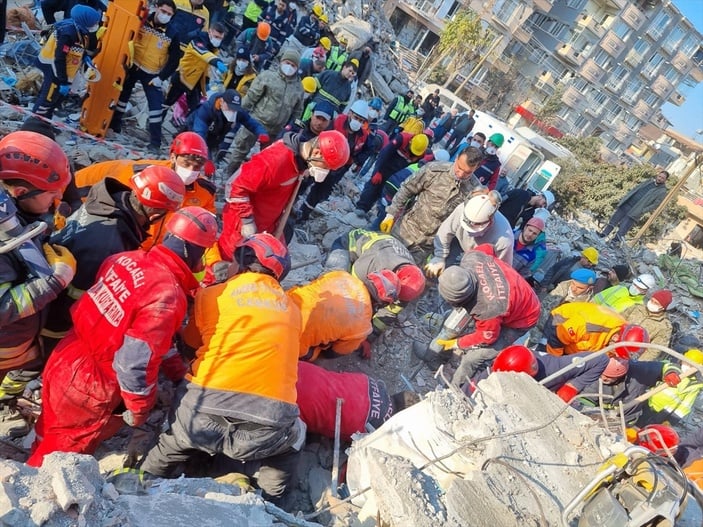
[602,58]
[658,25]
[504,9]
[632,90]
[617,76]
[672,76]
[673,39]
[652,65]
[613,145]
[550,25]
[575,4]
[641,47]
[688,45]
[632,122]
[622,30]
[652,99]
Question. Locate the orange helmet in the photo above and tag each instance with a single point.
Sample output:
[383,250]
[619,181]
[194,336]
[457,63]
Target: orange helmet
[412,282]
[195,225]
[385,286]
[159,187]
[34,158]
[189,143]
[334,148]
[631,333]
[263,30]
[269,251]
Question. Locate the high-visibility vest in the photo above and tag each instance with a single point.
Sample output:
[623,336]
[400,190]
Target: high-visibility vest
[400,110]
[336,59]
[678,400]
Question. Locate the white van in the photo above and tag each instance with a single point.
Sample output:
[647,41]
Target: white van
[447,99]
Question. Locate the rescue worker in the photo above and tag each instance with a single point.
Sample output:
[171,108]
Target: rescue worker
[426,198]
[499,301]
[320,121]
[529,247]
[273,99]
[258,194]
[367,403]
[241,73]
[307,33]
[157,50]
[473,223]
[187,157]
[363,253]
[218,119]
[338,55]
[489,169]
[33,174]
[310,66]
[621,297]
[334,87]
[114,218]
[191,76]
[520,205]
[584,326]
[282,20]
[355,127]
[402,150]
[239,398]
[122,335]
[625,380]
[673,404]
[251,13]
[197,20]
[652,317]
[560,271]
[613,276]
[255,41]
[71,43]
[398,111]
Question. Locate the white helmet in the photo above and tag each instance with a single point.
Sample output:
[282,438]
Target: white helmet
[645,282]
[361,108]
[441,155]
[548,197]
[478,213]
[542,214]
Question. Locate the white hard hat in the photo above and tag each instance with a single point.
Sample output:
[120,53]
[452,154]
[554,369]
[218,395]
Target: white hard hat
[548,197]
[441,155]
[478,212]
[360,108]
[645,282]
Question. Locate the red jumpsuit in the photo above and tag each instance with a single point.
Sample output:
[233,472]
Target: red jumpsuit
[261,190]
[122,333]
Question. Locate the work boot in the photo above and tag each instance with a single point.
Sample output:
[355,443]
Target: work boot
[12,423]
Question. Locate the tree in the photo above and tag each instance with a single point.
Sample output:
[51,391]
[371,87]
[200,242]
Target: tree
[551,105]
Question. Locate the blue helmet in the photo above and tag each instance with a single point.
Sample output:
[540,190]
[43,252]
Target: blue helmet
[376,103]
[85,17]
[584,276]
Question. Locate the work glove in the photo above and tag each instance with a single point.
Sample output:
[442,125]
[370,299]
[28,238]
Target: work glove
[62,263]
[377,178]
[133,419]
[248,227]
[64,90]
[221,67]
[156,82]
[264,140]
[387,223]
[566,393]
[448,345]
[672,378]
[435,267]
[365,350]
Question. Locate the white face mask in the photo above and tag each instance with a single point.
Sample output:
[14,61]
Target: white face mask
[491,150]
[653,307]
[476,144]
[215,42]
[318,174]
[288,70]
[229,115]
[634,291]
[241,66]
[162,18]
[354,125]
[293,6]
[187,175]
[373,114]
[94,28]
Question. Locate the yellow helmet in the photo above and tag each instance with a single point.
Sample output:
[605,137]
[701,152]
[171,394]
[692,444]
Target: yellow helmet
[591,254]
[355,62]
[317,10]
[343,40]
[694,355]
[324,19]
[309,84]
[326,43]
[419,144]
[413,125]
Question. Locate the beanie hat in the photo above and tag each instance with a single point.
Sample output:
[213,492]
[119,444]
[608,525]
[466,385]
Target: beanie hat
[412,282]
[537,223]
[664,297]
[622,272]
[457,285]
[591,254]
[584,276]
[85,17]
[616,368]
[242,53]
[291,55]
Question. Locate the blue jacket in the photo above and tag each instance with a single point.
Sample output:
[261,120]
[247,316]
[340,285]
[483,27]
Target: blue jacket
[526,260]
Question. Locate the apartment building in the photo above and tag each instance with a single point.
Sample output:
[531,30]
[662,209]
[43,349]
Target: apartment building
[616,62]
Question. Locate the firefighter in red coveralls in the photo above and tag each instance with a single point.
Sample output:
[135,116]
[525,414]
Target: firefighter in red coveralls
[501,303]
[122,334]
[262,188]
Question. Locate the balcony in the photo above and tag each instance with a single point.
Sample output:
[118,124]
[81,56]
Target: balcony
[591,71]
[676,98]
[633,58]
[569,54]
[612,44]
[662,87]
[522,34]
[614,85]
[588,22]
[502,64]
[619,3]
[574,99]
[545,6]
[681,62]
[642,111]
[594,111]
[633,17]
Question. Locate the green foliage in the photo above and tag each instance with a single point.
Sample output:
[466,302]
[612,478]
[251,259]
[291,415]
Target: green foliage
[438,75]
[551,106]
[463,39]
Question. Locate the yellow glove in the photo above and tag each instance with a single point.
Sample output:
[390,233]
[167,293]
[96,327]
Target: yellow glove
[100,32]
[387,223]
[62,263]
[435,267]
[448,345]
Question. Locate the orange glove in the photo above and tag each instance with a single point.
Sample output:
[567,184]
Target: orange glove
[567,392]
[365,350]
[672,378]
[377,178]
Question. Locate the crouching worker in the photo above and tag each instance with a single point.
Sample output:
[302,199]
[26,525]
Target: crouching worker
[239,399]
[367,404]
[122,334]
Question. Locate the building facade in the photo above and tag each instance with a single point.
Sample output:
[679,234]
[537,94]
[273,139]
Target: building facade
[613,63]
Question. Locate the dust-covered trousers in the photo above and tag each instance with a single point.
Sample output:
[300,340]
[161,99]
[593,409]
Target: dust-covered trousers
[193,430]
[78,400]
[479,358]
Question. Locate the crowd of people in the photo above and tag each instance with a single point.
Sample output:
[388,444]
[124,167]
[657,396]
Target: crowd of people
[138,275]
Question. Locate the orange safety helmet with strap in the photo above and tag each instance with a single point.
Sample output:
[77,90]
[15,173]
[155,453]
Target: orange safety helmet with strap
[159,187]
[516,358]
[195,225]
[34,158]
[386,286]
[334,148]
[189,143]
[269,251]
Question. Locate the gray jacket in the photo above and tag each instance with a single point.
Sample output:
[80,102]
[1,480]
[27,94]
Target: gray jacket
[646,201]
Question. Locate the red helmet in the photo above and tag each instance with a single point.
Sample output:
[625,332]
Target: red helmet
[385,285]
[270,252]
[412,282]
[631,333]
[195,225]
[616,368]
[34,158]
[516,358]
[159,187]
[189,143]
[655,437]
[334,148]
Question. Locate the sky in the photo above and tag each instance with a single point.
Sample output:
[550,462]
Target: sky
[688,118]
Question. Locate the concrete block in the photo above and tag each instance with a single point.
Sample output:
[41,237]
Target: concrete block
[42,511]
[71,487]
